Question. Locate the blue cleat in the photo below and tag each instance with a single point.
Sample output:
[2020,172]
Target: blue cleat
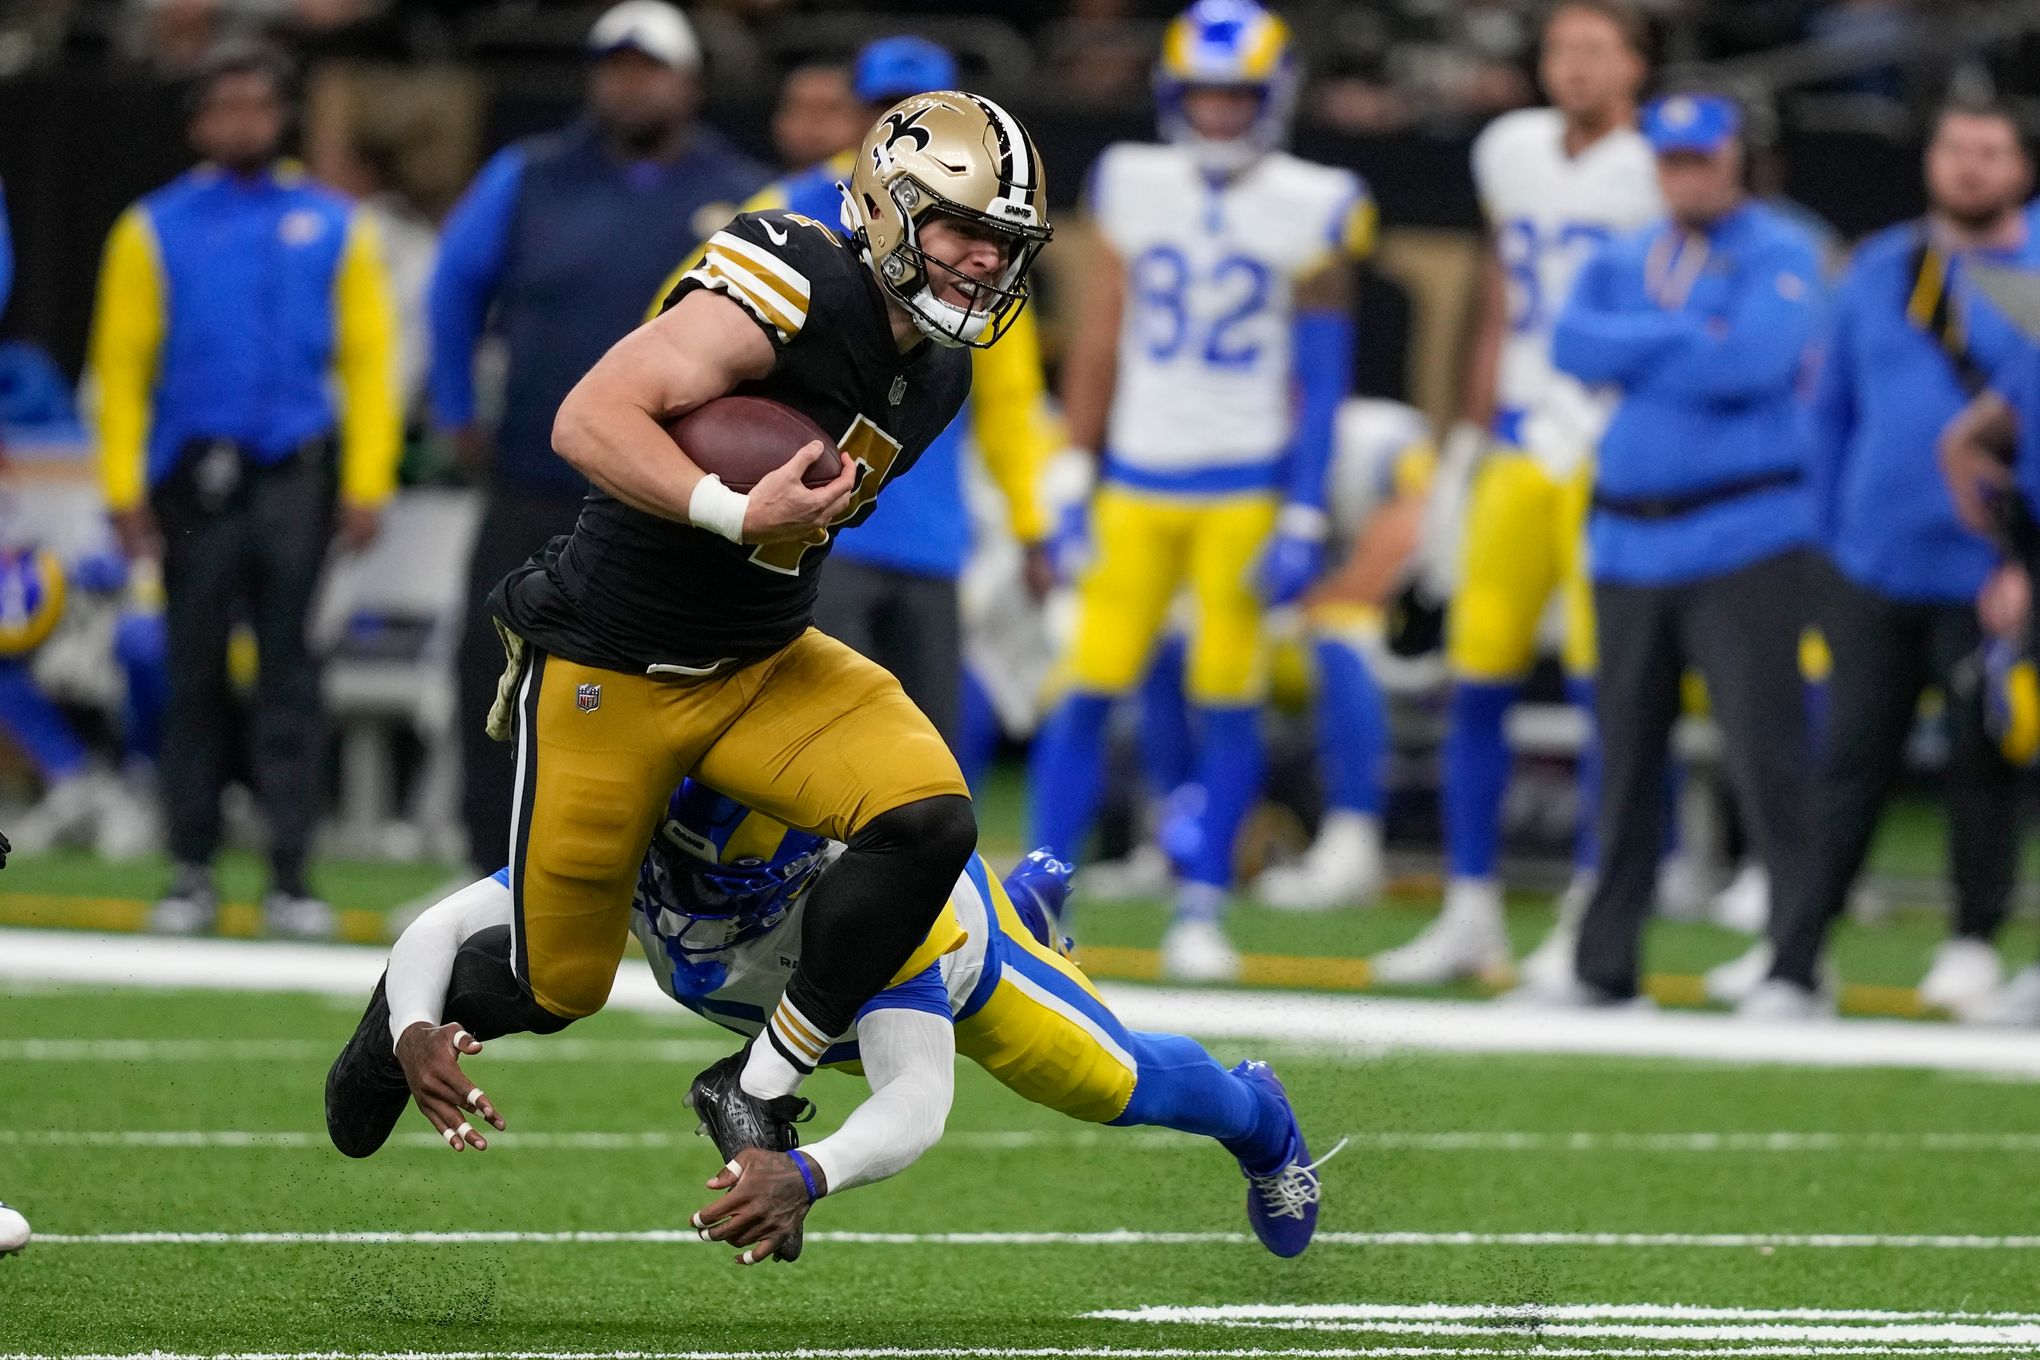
[1282,1204]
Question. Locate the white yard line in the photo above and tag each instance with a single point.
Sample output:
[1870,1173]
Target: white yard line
[1044,1353]
[1115,1238]
[1147,1140]
[1346,1025]
[1530,1313]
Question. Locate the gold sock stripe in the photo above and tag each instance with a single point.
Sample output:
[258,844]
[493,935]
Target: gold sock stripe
[797,1034]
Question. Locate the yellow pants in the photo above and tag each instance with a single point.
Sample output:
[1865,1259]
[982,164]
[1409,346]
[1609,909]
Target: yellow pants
[1525,538]
[1148,548]
[814,736]
[1045,1033]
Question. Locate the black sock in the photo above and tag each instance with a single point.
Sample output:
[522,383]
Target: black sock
[488,998]
[872,908]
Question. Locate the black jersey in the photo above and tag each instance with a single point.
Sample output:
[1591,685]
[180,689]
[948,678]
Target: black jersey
[629,590]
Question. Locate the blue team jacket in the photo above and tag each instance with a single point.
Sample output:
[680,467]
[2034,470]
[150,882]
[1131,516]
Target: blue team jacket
[558,247]
[1886,389]
[1704,336]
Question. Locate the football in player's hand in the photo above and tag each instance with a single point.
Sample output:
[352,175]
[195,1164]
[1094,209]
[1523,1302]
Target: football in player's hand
[740,439]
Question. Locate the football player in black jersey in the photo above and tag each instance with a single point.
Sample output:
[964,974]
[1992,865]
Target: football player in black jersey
[669,634]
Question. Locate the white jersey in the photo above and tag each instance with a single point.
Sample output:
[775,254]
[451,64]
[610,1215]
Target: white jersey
[1549,211]
[1380,449]
[738,987]
[1204,376]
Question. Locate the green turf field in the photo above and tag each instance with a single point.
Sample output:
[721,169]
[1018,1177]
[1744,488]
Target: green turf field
[198,1113]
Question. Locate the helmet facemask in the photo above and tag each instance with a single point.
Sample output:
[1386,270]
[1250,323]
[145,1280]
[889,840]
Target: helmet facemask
[994,179]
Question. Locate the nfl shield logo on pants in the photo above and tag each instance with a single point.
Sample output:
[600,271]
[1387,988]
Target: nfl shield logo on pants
[587,698]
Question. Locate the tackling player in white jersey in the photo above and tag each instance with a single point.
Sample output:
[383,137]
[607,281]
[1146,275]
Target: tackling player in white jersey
[717,909]
[1214,346]
[1554,183]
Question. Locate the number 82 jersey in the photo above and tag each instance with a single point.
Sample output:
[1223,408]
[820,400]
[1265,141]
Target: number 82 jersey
[1204,373]
[1549,212]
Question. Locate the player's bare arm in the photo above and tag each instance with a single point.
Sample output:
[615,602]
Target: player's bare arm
[1380,559]
[1484,340]
[1328,288]
[1091,369]
[1972,451]
[609,427]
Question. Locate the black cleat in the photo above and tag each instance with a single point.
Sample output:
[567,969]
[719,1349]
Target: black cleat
[736,1120]
[365,1089]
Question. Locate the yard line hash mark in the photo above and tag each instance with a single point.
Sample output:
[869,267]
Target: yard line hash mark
[1146,1139]
[1113,1238]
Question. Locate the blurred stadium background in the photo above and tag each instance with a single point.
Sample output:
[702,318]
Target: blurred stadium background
[1636,1162]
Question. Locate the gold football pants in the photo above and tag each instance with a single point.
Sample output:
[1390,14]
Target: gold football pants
[813,735]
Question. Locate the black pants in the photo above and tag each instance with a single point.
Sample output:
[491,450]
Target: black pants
[257,560]
[906,623]
[1742,631]
[1885,652]
[514,525]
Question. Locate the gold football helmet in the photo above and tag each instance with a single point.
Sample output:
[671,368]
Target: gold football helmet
[956,155]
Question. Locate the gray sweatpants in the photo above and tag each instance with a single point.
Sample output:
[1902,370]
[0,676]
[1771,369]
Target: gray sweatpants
[908,624]
[1741,630]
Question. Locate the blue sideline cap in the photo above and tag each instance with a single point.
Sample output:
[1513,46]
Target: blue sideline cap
[1702,123]
[894,68]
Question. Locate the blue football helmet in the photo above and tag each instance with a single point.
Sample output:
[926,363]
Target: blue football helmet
[1038,887]
[722,873]
[1237,45]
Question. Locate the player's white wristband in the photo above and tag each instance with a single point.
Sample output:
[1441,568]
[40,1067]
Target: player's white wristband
[718,509]
[1303,521]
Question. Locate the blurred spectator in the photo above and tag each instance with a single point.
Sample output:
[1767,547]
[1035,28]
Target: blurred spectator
[817,116]
[1699,527]
[244,335]
[558,248]
[1898,610]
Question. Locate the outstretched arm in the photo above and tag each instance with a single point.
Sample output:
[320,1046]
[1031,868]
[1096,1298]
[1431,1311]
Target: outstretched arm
[909,1057]
[420,970]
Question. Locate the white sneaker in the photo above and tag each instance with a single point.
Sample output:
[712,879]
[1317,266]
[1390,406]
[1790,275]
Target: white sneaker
[1730,984]
[65,815]
[1342,868]
[2015,1003]
[298,918]
[1568,993]
[1197,951]
[1550,964]
[1745,904]
[189,907]
[130,824]
[1965,970]
[1143,873]
[1684,888]
[1777,999]
[1466,941]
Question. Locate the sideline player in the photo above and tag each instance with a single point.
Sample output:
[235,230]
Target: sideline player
[669,634]
[718,909]
[1554,182]
[1222,289]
